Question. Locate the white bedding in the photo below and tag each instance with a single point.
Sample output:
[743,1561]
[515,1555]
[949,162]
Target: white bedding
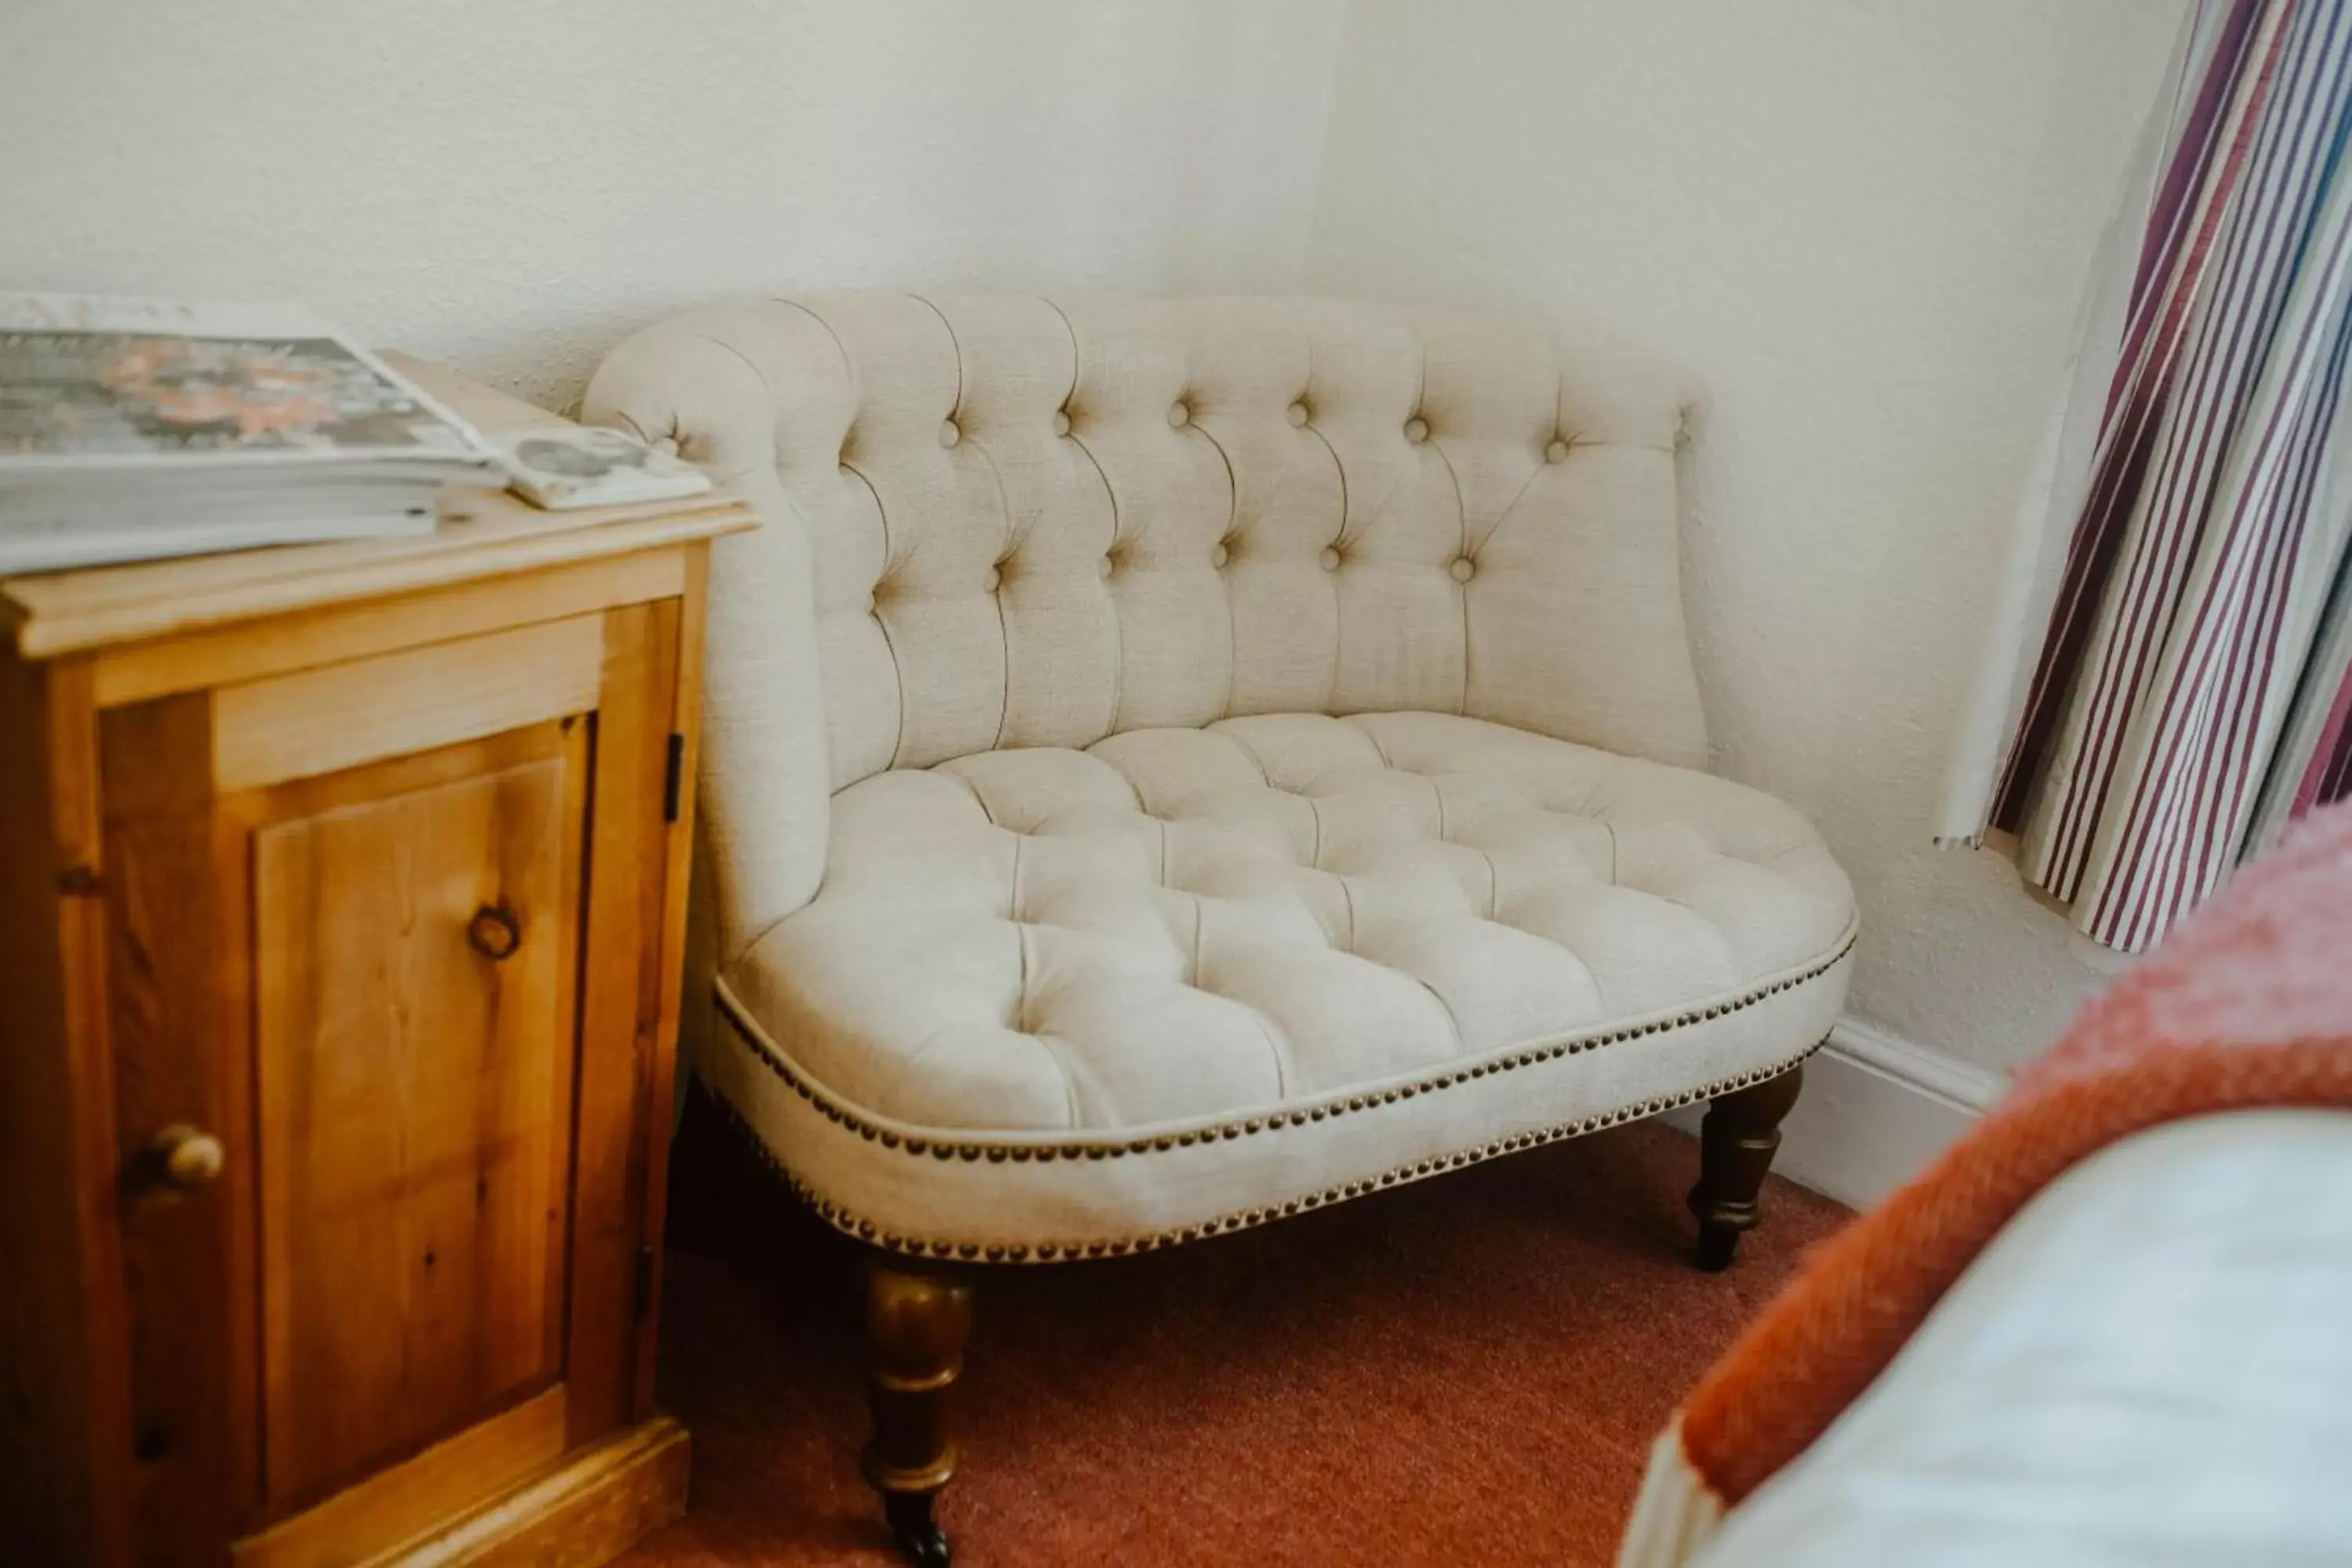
[2152,1365]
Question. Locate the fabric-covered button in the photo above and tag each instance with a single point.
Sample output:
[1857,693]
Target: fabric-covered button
[1297,415]
[1330,560]
[1102,567]
[1179,416]
[666,446]
[993,580]
[1462,569]
[1416,431]
[1219,556]
[1556,453]
[1061,423]
[949,434]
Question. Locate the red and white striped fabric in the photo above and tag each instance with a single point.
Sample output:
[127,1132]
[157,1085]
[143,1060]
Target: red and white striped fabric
[2179,703]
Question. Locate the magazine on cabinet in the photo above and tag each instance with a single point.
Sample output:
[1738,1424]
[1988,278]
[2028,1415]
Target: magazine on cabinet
[573,466]
[88,381]
[131,428]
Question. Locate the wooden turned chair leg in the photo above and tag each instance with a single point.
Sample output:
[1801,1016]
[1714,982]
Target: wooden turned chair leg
[917,1317]
[1736,1145]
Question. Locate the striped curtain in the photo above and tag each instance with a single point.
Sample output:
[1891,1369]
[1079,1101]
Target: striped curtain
[2175,681]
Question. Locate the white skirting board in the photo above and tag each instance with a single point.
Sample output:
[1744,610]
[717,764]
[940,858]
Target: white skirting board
[1876,1108]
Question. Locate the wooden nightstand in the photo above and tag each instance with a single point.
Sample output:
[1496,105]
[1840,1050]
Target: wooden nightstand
[342,902]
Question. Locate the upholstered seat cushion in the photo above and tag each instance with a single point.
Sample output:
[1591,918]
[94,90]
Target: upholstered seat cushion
[1265,934]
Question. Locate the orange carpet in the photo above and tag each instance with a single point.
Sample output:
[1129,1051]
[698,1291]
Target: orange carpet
[1465,1371]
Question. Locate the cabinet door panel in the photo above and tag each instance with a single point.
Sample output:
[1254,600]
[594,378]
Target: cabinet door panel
[411,995]
[414,1084]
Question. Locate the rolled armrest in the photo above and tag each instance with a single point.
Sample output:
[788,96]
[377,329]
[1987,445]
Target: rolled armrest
[764,785]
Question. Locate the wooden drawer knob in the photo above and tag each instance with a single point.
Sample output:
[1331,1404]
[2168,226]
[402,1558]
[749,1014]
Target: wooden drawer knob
[494,932]
[187,1157]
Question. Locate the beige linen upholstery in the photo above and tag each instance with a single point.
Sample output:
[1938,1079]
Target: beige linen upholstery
[1168,763]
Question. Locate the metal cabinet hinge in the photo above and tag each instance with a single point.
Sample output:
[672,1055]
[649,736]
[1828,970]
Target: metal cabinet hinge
[672,780]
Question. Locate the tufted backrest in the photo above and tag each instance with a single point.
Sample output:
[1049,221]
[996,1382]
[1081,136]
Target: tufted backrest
[1003,522]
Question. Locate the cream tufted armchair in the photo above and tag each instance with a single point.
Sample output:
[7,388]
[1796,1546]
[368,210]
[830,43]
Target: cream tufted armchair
[1170,765]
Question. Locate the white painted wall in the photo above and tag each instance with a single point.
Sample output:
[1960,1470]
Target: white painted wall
[1862,225]
[512,186]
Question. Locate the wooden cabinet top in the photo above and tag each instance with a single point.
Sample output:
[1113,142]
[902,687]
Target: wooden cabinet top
[483,533]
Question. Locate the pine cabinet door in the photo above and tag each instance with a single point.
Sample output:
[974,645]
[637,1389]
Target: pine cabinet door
[383,988]
[413,941]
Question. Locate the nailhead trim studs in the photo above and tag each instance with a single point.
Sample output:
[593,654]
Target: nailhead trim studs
[998,1151]
[866,1230]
